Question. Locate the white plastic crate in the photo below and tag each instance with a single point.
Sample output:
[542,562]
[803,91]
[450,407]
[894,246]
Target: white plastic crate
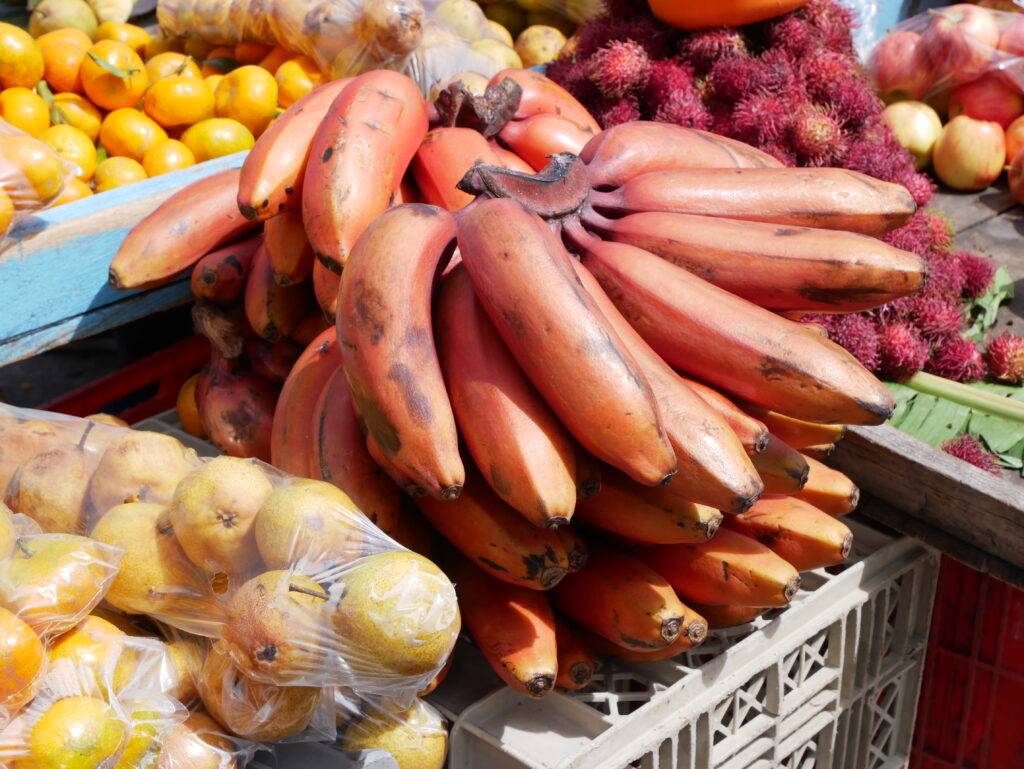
[831,682]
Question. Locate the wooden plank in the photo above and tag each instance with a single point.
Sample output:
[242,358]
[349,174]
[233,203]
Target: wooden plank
[965,210]
[944,494]
[53,276]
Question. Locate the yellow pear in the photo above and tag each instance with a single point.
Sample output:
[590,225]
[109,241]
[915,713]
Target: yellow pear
[213,511]
[198,742]
[76,733]
[277,629]
[156,576]
[187,654]
[51,487]
[20,440]
[22,658]
[53,580]
[398,614]
[259,712]
[129,624]
[139,467]
[7,531]
[416,737]
[311,523]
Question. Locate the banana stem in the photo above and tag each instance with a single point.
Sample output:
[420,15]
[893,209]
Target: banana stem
[965,395]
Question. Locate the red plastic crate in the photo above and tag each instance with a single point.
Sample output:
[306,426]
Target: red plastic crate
[141,389]
[971,711]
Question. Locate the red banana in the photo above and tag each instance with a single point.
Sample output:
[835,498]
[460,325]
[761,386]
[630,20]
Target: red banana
[291,256]
[443,158]
[273,310]
[536,138]
[543,96]
[220,275]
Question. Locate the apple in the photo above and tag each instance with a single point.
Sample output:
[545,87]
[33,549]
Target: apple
[970,154]
[1014,139]
[1016,177]
[916,127]
[959,42]
[1012,39]
[990,97]
[900,67]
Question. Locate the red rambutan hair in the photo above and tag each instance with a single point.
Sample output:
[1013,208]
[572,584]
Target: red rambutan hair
[734,77]
[968,449]
[936,316]
[902,352]
[705,48]
[978,272]
[619,68]
[858,335]
[956,358]
[761,118]
[1005,358]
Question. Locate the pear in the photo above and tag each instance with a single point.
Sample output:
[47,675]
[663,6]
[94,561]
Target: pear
[7,531]
[156,576]
[186,654]
[139,467]
[150,717]
[20,440]
[53,580]
[198,742]
[255,711]
[51,487]
[50,15]
[213,511]
[311,523]
[416,737]
[277,629]
[398,615]
[129,624]
[108,419]
[76,733]
[21,664]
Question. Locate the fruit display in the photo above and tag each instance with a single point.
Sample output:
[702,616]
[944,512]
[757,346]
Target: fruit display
[482,344]
[138,581]
[33,175]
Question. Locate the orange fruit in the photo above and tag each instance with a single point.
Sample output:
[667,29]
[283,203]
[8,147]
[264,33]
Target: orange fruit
[117,172]
[212,81]
[216,137]
[128,133]
[218,61]
[188,410]
[160,43]
[275,59]
[113,89]
[251,53]
[79,112]
[178,100]
[170,155]
[21,663]
[295,78]
[24,109]
[21,61]
[133,36]
[74,190]
[67,35]
[171,63]
[76,732]
[248,95]
[33,174]
[74,146]
[6,212]
[62,61]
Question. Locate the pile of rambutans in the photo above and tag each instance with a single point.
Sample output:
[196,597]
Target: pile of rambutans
[793,87]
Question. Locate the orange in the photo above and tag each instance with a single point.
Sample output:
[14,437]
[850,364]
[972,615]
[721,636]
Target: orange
[216,137]
[62,61]
[179,100]
[129,133]
[21,663]
[248,95]
[21,61]
[24,109]
[67,35]
[218,61]
[159,43]
[76,733]
[74,190]
[113,90]
[251,53]
[6,212]
[117,172]
[79,112]
[74,146]
[295,78]
[275,59]
[188,410]
[212,81]
[171,63]
[170,155]
[32,173]
[131,35]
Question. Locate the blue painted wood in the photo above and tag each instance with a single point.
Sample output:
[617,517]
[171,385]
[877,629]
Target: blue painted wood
[53,276]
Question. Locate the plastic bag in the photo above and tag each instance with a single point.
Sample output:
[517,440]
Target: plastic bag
[429,40]
[415,735]
[32,175]
[946,47]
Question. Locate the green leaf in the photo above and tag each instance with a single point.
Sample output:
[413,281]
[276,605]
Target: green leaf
[222,64]
[999,434]
[934,420]
[124,74]
[101,154]
[981,314]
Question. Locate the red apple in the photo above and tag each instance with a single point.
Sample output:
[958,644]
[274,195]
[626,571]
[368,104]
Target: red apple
[960,41]
[1014,139]
[900,67]
[990,97]
[1016,177]
[1012,39]
[970,154]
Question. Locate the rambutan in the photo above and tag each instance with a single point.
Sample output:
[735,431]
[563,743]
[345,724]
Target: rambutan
[783,75]
[761,118]
[684,108]
[703,49]
[945,276]
[626,9]
[968,449]
[821,69]
[956,358]
[902,352]
[936,316]
[833,22]
[890,312]
[732,78]
[572,74]
[853,100]
[858,335]
[667,77]
[978,272]
[940,230]
[619,68]
[612,112]
[815,136]
[792,34]
[1005,358]
[655,38]
[781,152]
[920,187]
[879,160]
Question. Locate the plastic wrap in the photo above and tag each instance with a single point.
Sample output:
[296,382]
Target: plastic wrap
[32,175]
[942,48]
[429,40]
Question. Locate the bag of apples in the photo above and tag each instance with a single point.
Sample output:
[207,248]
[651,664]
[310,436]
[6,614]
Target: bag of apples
[286,588]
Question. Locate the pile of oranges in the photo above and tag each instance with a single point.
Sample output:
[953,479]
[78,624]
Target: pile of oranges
[126,105]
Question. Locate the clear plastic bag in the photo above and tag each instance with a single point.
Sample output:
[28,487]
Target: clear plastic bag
[942,48]
[429,40]
[32,175]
